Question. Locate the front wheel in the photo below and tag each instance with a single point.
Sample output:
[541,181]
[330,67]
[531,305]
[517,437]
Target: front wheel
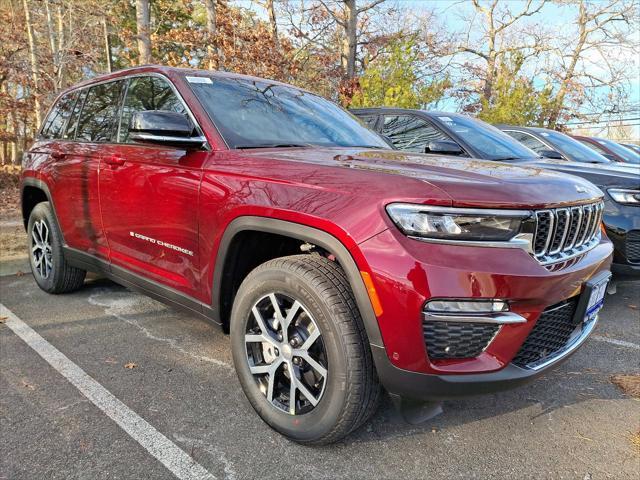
[300,349]
[50,269]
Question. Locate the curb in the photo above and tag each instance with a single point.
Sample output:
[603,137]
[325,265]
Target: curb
[14,265]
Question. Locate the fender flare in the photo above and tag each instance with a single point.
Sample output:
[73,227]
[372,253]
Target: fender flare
[39,184]
[307,234]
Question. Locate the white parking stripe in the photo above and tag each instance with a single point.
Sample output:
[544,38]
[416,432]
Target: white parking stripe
[620,343]
[167,452]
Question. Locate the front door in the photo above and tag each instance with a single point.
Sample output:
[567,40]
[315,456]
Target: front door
[149,197]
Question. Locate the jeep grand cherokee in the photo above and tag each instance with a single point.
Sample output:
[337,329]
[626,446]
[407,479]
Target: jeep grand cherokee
[337,265]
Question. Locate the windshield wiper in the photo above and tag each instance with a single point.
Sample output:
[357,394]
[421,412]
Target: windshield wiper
[273,145]
[506,158]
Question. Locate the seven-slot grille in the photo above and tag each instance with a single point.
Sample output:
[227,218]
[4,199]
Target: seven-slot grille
[564,232]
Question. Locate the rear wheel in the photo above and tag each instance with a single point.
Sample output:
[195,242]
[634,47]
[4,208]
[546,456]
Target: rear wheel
[48,265]
[300,349]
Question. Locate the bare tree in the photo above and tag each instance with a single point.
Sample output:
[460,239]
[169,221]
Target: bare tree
[602,29]
[107,44]
[213,52]
[269,6]
[497,19]
[35,70]
[143,21]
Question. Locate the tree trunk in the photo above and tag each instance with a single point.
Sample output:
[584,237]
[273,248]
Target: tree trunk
[35,74]
[143,21]
[107,44]
[273,22]
[215,60]
[61,41]
[349,42]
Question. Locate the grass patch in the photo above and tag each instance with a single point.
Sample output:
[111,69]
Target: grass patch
[629,384]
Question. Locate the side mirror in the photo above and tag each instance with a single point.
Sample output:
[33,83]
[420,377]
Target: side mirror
[444,146]
[551,154]
[164,128]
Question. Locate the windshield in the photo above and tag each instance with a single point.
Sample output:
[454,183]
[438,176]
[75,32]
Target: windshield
[491,143]
[572,148]
[254,113]
[626,154]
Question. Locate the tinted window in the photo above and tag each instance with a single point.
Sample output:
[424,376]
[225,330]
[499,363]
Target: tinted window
[57,118]
[594,146]
[147,93]
[253,113]
[571,148]
[528,141]
[487,140]
[99,112]
[72,124]
[410,133]
[626,154]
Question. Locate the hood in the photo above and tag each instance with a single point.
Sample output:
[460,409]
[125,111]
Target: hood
[600,174]
[468,182]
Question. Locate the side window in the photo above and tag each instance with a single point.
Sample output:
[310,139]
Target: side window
[408,132]
[57,118]
[595,147]
[528,140]
[369,120]
[147,93]
[72,124]
[99,112]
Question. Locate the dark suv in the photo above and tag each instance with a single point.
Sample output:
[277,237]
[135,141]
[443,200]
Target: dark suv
[337,264]
[445,133]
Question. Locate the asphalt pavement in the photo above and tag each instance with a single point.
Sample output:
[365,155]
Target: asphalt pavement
[169,376]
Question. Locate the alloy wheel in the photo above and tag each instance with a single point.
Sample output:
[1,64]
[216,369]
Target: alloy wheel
[286,354]
[41,249]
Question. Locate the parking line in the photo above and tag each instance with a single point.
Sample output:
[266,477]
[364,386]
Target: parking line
[620,343]
[168,453]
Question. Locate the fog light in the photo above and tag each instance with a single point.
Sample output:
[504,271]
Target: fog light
[467,306]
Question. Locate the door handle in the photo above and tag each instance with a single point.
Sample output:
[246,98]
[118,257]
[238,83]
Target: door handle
[58,155]
[114,160]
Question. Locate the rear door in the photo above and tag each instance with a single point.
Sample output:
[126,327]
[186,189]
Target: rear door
[149,196]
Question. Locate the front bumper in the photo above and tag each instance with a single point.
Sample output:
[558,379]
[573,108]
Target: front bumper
[407,273]
[427,387]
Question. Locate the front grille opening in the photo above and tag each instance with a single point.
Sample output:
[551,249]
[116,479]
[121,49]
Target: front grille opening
[564,232]
[550,334]
[632,246]
[457,340]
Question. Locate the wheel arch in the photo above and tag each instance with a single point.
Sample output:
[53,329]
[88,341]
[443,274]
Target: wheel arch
[303,234]
[32,192]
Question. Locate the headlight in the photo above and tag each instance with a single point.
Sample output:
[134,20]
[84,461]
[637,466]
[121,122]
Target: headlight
[625,196]
[461,224]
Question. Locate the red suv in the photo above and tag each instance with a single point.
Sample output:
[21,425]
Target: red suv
[337,265]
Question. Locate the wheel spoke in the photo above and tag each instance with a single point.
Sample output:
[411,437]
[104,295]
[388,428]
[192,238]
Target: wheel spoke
[314,364]
[291,315]
[258,338]
[311,340]
[262,325]
[303,390]
[292,391]
[34,235]
[35,248]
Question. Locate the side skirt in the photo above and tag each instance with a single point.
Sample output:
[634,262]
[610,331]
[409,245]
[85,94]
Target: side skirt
[131,280]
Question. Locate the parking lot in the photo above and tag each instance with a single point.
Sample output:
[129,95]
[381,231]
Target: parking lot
[175,372]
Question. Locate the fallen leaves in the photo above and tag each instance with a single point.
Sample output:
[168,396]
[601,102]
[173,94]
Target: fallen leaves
[629,384]
[635,440]
[27,385]
[633,306]
[130,365]
[3,319]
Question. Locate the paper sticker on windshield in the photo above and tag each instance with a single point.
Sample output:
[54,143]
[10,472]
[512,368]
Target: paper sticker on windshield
[199,80]
[446,119]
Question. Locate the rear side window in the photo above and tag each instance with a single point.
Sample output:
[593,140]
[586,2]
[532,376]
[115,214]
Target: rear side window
[57,118]
[147,93]
[99,112]
[411,133]
[72,124]
[528,140]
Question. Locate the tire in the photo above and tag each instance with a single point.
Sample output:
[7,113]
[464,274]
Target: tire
[349,393]
[50,269]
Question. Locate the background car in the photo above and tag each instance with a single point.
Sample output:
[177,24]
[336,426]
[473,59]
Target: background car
[632,146]
[610,149]
[456,134]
